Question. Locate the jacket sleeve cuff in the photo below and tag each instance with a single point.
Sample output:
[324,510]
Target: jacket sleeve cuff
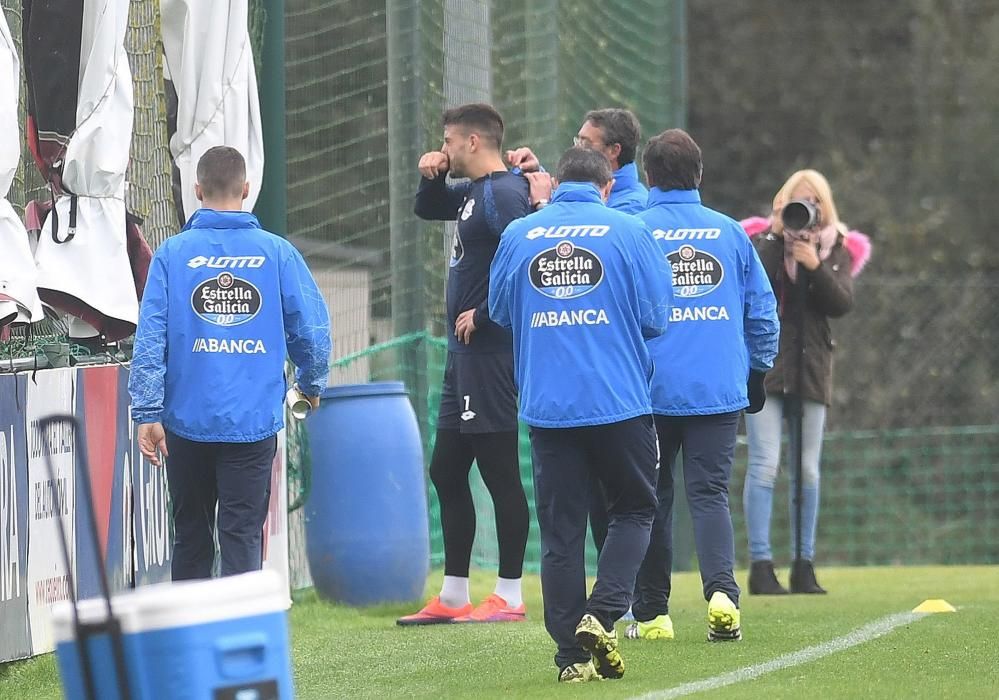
[311,384]
[311,390]
[481,316]
[140,416]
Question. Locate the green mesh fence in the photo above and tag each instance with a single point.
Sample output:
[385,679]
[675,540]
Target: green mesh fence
[366,84]
[894,496]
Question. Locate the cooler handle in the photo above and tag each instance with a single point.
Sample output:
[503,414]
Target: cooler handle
[241,655]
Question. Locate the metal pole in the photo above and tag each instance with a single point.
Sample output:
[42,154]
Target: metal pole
[541,81]
[272,203]
[797,431]
[674,114]
[406,77]
[679,81]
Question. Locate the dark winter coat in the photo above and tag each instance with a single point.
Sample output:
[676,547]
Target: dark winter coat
[829,295]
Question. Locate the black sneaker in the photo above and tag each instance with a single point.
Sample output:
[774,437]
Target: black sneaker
[763,579]
[803,578]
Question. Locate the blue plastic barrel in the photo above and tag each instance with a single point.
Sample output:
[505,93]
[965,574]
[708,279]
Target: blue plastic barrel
[367,536]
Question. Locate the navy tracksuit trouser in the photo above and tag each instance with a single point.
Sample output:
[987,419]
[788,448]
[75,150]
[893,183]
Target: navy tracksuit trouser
[624,458]
[708,444]
[236,477]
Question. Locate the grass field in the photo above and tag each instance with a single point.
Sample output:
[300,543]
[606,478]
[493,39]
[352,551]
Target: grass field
[340,652]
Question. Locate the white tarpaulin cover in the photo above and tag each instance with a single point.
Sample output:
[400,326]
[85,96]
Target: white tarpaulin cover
[18,296]
[209,60]
[93,267]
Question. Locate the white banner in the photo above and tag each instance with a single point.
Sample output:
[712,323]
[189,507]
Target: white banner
[276,525]
[49,392]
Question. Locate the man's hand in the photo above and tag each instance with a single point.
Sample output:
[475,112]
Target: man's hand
[313,401]
[524,159]
[152,438]
[541,187]
[433,164]
[806,254]
[464,326]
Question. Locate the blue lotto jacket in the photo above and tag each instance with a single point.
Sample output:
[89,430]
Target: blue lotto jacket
[628,193]
[724,316]
[224,303]
[582,287]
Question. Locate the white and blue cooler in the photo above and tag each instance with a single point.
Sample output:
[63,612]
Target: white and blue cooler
[221,639]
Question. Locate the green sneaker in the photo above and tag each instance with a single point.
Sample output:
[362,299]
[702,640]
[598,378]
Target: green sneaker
[723,619]
[579,673]
[602,645]
[660,627]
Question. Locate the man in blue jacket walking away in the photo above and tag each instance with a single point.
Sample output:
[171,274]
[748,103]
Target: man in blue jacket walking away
[722,339]
[615,133]
[583,288]
[224,303]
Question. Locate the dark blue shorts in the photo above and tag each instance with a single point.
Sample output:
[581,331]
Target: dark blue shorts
[479,393]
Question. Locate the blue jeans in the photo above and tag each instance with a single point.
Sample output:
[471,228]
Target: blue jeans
[764,435]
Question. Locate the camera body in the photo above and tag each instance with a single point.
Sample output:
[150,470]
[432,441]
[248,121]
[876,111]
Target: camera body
[801,215]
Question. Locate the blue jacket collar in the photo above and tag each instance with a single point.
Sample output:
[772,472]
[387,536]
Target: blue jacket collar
[658,196]
[577,192]
[625,177]
[211,218]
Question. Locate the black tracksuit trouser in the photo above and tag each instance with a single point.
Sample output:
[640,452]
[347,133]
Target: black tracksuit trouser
[235,477]
[624,458]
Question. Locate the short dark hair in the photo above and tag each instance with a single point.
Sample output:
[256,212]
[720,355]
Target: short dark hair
[583,165]
[619,126]
[221,172]
[673,161]
[480,118]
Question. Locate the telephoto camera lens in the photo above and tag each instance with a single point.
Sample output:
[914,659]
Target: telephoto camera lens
[800,215]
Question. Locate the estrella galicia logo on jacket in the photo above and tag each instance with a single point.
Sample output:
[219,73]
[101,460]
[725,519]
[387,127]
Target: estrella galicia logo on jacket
[226,300]
[695,273]
[566,271]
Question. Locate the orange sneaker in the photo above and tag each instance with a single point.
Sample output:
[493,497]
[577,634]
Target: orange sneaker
[435,613]
[495,609]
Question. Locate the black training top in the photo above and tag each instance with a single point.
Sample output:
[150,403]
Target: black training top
[482,208]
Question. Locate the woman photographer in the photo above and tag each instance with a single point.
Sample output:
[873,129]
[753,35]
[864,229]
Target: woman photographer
[809,267]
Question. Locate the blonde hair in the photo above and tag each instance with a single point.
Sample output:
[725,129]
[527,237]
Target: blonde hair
[818,183]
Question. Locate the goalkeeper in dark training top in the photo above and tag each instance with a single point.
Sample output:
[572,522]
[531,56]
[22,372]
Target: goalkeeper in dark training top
[478,411]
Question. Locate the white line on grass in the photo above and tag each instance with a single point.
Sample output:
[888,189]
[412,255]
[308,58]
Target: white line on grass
[860,635]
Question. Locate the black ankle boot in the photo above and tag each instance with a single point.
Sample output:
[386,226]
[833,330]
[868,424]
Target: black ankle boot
[803,578]
[763,580]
